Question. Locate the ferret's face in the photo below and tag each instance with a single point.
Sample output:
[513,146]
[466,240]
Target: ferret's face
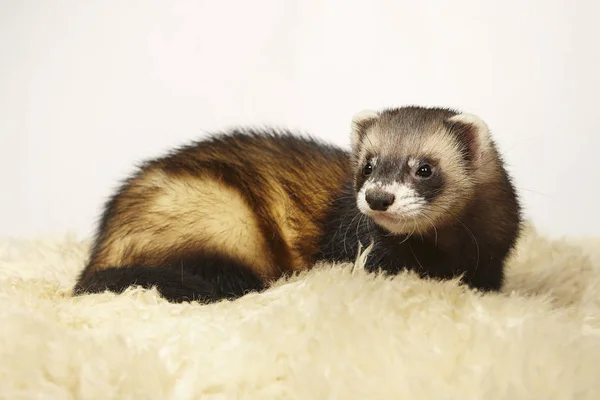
[411,173]
[398,191]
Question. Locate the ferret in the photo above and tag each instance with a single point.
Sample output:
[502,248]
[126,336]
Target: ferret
[425,187]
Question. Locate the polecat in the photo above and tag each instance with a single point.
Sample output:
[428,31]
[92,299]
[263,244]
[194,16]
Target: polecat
[224,216]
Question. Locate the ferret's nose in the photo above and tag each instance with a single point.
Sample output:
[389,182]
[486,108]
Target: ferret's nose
[379,200]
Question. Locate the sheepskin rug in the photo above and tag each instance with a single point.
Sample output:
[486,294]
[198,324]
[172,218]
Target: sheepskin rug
[335,332]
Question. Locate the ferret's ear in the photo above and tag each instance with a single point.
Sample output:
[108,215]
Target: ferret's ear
[361,121]
[473,133]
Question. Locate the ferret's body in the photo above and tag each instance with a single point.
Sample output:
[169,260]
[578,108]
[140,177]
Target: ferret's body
[241,208]
[225,216]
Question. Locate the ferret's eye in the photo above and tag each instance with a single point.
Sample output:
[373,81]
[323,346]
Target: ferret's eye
[367,169]
[424,171]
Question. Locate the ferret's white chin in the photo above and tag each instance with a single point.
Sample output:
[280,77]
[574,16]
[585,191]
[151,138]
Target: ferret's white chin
[398,224]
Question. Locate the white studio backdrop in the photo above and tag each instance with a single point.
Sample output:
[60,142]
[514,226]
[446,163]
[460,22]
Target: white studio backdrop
[88,88]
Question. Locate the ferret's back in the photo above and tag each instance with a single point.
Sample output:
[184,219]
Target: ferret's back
[256,197]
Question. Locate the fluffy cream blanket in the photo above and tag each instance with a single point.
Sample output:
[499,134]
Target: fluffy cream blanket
[333,333]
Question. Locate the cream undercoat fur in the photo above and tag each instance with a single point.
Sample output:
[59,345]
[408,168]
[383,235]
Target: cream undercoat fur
[333,333]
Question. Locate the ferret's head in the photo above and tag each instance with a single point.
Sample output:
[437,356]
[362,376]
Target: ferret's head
[415,167]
